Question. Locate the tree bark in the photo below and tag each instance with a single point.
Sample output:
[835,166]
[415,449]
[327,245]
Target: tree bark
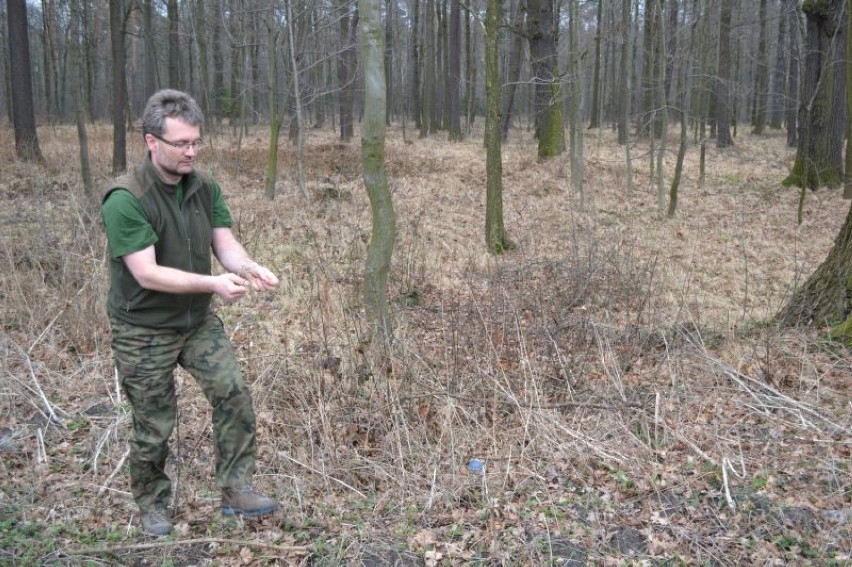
[496,240]
[791,10]
[542,32]
[346,68]
[779,74]
[119,87]
[174,44]
[23,113]
[723,81]
[595,119]
[454,84]
[516,52]
[75,86]
[624,85]
[380,248]
[761,82]
[819,156]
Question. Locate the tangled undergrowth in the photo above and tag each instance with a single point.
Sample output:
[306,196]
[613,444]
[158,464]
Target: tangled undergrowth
[617,379]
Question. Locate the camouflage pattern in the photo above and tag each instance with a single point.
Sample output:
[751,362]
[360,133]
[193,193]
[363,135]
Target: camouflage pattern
[146,359]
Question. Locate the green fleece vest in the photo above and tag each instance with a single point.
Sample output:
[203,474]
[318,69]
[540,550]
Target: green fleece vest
[185,236]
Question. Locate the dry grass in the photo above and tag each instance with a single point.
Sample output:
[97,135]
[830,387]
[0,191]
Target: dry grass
[618,374]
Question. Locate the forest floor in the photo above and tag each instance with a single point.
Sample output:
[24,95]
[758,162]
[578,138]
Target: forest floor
[618,376]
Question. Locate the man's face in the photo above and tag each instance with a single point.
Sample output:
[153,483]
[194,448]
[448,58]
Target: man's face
[170,161]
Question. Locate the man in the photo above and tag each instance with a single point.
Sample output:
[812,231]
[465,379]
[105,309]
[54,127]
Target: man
[162,221]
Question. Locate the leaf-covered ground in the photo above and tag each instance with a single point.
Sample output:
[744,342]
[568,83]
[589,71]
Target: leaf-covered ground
[618,376]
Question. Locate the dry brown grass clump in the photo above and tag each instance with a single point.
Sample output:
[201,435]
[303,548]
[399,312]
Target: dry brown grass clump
[618,375]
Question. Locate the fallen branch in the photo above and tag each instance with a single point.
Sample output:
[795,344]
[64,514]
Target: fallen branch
[292,549]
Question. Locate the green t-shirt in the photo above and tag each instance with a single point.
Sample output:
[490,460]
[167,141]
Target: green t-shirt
[127,228]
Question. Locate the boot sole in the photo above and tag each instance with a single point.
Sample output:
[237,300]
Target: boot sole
[231,511]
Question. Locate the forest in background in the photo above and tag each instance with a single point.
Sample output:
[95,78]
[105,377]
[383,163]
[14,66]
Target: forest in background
[619,373]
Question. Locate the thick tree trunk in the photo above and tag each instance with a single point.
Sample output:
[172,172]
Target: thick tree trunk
[23,114]
[819,156]
[826,298]
[542,32]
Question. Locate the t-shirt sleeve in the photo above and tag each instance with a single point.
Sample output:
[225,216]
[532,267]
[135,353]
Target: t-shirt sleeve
[127,227]
[221,214]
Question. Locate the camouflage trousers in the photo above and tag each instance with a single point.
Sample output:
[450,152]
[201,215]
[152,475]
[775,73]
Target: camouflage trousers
[146,359]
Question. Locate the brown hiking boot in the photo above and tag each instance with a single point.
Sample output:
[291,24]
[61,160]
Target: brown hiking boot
[156,522]
[245,501]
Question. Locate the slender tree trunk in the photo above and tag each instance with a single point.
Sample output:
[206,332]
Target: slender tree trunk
[594,122]
[297,101]
[776,105]
[76,89]
[791,9]
[150,66]
[723,81]
[516,52]
[578,171]
[454,86]
[427,125]
[496,240]
[624,85]
[23,113]
[761,82]
[174,44]
[389,44]
[346,68]
[380,248]
[119,87]
[274,112]
[416,110]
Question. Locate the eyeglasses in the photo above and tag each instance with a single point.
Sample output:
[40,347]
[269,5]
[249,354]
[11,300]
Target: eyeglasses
[182,146]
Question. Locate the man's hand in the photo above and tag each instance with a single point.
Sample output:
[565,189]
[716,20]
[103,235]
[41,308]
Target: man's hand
[259,277]
[229,286]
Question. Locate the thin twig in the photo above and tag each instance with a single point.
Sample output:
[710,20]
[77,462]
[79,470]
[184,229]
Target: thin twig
[180,542]
[117,468]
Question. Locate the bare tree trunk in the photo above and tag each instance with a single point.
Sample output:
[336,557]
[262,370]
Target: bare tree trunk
[624,85]
[578,171]
[516,52]
[297,101]
[23,113]
[791,9]
[416,110]
[596,80]
[542,31]
[723,81]
[496,240]
[274,112]
[761,82]
[454,85]
[819,157]
[427,124]
[150,65]
[119,87]
[75,86]
[380,249]
[779,75]
[346,68]
[174,44]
